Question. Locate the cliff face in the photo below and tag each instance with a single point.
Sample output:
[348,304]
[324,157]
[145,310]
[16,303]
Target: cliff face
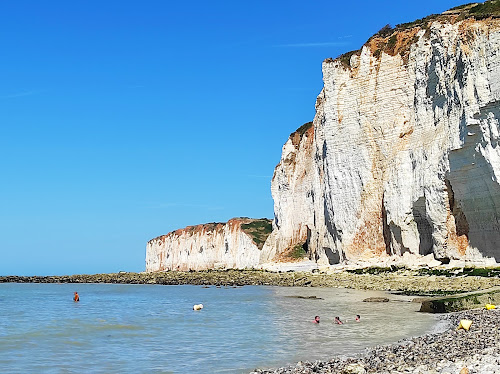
[403,154]
[236,244]
[402,158]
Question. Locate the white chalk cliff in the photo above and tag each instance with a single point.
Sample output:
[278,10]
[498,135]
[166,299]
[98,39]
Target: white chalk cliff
[403,154]
[236,244]
[402,159]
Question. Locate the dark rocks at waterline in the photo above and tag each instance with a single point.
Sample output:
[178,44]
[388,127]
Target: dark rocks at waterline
[232,278]
[203,278]
[306,297]
[448,352]
[463,301]
[404,281]
[376,300]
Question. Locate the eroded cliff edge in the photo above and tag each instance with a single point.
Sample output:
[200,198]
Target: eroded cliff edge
[236,244]
[402,155]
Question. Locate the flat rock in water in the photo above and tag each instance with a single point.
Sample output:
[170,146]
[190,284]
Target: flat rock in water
[376,300]
[307,297]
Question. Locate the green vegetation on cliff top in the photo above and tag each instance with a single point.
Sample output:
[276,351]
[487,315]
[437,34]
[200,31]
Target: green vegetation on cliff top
[486,9]
[490,8]
[258,230]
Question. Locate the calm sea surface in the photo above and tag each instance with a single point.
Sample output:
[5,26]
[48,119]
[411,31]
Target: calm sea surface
[153,329]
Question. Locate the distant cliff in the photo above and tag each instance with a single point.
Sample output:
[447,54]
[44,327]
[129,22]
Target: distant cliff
[236,244]
[403,154]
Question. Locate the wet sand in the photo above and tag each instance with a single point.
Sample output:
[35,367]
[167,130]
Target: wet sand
[452,351]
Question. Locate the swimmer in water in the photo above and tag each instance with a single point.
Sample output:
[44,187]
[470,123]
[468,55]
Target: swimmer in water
[76,297]
[358,318]
[316,319]
[338,321]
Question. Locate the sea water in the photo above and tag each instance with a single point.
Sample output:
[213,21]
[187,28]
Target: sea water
[153,329]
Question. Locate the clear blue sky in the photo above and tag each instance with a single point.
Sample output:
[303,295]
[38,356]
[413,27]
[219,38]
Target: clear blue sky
[124,120]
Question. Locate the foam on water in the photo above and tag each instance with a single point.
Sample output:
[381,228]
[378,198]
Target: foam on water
[153,329]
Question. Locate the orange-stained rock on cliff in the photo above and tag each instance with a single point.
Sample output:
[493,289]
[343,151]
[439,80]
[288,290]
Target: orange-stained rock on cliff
[236,244]
[403,154]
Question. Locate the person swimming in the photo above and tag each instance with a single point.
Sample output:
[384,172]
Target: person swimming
[338,321]
[316,319]
[358,318]
[76,297]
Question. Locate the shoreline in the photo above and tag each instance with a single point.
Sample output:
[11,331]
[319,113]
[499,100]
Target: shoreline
[409,282]
[448,351]
[451,351]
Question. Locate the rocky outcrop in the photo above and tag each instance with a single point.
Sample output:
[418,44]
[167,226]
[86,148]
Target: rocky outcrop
[403,154]
[236,244]
[408,282]
[463,301]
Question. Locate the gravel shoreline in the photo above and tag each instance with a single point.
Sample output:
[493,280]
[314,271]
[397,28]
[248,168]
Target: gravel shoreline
[477,350]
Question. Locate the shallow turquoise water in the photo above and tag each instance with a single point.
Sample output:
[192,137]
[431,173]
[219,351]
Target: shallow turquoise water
[153,329]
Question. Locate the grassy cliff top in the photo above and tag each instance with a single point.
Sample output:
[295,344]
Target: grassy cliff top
[398,39]
[258,230]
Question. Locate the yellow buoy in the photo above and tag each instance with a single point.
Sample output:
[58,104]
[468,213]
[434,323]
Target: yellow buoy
[489,306]
[464,324]
[198,307]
